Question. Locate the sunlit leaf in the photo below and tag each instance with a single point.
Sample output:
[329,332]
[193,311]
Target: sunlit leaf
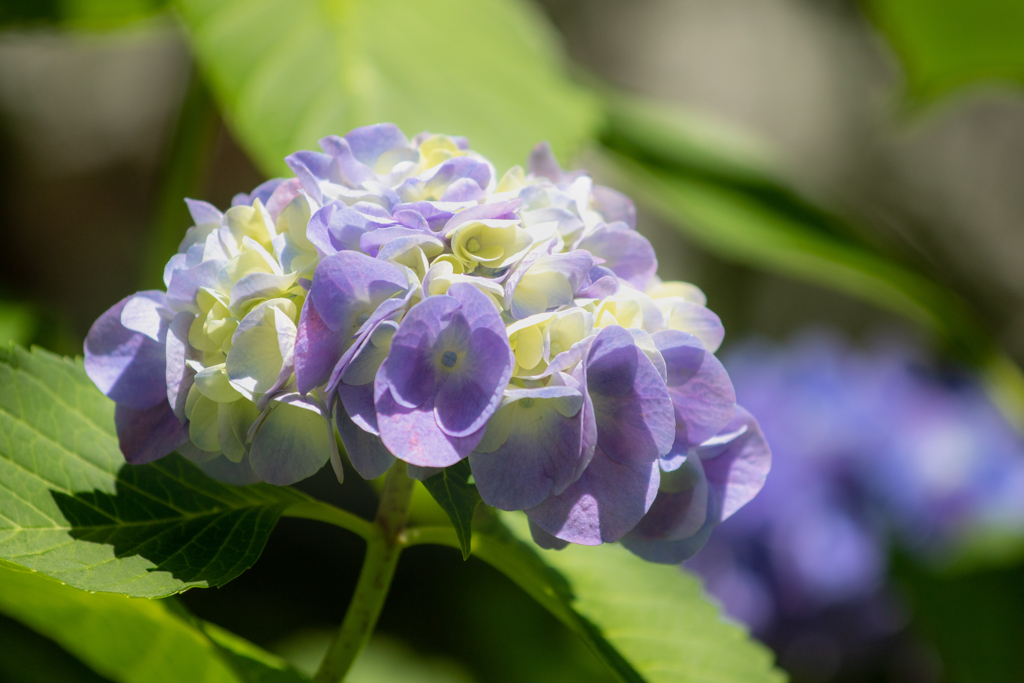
[72,509]
[647,622]
[132,640]
[288,72]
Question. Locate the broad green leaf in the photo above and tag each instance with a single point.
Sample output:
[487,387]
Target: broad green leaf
[132,640]
[72,509]
[647,622]
[288,72]
[452,490]
[948,44]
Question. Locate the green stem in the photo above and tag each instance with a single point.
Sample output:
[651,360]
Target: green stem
[383,546]
[325,512]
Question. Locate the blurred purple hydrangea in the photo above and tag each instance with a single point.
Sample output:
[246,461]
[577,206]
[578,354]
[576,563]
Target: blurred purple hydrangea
[871,448]
[400,293]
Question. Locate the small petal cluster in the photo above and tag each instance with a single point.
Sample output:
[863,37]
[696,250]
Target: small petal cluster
[871,449]
[402,294]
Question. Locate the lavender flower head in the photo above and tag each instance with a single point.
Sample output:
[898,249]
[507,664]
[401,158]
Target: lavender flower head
[871,449]
[400,294]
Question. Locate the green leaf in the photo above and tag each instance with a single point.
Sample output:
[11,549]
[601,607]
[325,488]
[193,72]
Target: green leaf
[452,490]
[647,622]
[72,509]
[288,72]
[948,44]
[131,640]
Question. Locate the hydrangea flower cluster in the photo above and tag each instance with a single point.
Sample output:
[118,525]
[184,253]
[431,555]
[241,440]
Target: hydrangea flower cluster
[403,295]
[871,448]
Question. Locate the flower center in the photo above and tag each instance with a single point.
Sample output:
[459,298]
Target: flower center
[473,245]
[526,402]
[448,359]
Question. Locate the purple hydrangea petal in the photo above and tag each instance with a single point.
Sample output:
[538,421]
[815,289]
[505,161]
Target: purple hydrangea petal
[414,436]
[608,500]
[312,167]
[626,252]
[129,367]
[632,405]
[436,214]
[371,242]
[463,190]
[366,451]
[408,371]
[483,212]
[472,391]
[337,227]
[540,450]
[368,143]
[543,163]
[178,375]
[317,349]
[262,192]
[738,473]
[600,283]
[705,403]
[669,552]
[282,196]
[434,183]
[203,212]
[185,283]
[147,313]
[544,539]
[349,286]
[683,354]
[614,206]
[681,507]
[358,404]
[148,434]
[364,336]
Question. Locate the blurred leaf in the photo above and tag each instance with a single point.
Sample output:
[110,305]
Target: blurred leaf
[72,509]
[39,660]
[727,198]
[975,621]
[458,498]
[18,323]
[647,622]
[383,661]
[131,640]
[77,14]
[947,44]
[288,72]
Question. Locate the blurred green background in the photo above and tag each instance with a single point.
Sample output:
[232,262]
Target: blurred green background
[851,165]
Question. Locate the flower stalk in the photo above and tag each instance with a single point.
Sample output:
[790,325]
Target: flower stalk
[382,550]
